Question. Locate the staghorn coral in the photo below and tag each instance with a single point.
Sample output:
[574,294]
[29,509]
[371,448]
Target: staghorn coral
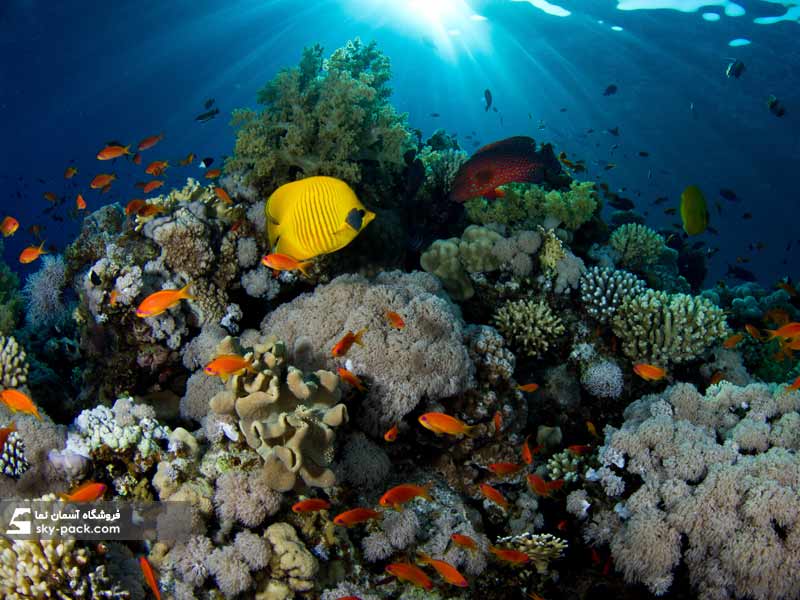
[529,324]
[13,366]
[603,289]
[526,206]
[665,329]
[718,470]
[427,358]
[286,416]
[321,118]
[637,246]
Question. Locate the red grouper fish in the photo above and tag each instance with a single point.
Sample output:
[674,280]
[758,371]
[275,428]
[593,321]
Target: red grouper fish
[513,159]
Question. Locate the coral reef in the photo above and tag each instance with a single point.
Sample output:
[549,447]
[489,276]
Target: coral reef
[602,290]
[13,366]
[530,325]
[44,294]
[11,302]
[636,246]
[664,329]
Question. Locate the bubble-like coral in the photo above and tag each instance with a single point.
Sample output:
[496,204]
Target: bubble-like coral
[603,289]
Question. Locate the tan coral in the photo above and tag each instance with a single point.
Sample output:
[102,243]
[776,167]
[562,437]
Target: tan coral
[13,366]
[286,416]
[291,564]
[540,547]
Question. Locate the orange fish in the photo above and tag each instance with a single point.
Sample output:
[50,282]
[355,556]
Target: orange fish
[112,297]
[134,206]
[223,195]
[788,331]
[213,173]
[225,365]
[283,262]
[152,185]
[4,433]
[755,333]
[395,320]
[504,468]
[105,189]
[441,423]
[716,378]
[580,450]
[391,435]
[70,172]
[310,505]
[400,494]
[776,315]
[50,196]
[9,226]
[592,429]
[31,253]
[113,151]
[555,485]
[157,167]
[410,573]
[80,203]
[355,516]
[35,230]
[514,557]
[563,525]
[528,387]
[149,576]
[188,160]
[534,596]
[352,379]
[137,159]
[464,541]
[148,210]
[794,386]
[102,180]
[649,372]
[149,142]
[447,571]
[87,492]
[538,485]
[343,345]
[158,302]
[17,401]
[733,340]
[497,420]
[494,495]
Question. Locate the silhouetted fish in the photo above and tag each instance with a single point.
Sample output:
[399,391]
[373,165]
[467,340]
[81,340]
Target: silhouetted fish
[487,96]
[207,116]
[208,103]
[740,273]
[610,90]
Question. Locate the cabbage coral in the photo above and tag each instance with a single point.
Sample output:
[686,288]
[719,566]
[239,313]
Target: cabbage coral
[323,117]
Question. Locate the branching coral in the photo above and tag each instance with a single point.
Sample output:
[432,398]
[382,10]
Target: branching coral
[663,329]
[427,358]
[530,324]
[321,118]
[604,289]
[637,246]
[285,415]
[720,470]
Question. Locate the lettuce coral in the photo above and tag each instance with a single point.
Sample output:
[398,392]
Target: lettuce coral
[664,329]
[526,206]
[323,117]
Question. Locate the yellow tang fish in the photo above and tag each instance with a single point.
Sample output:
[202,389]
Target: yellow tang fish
[314,216]
[694,212]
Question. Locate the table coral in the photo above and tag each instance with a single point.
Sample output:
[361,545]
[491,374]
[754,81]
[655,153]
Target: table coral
[637,246]
[323,117]
[664,329]
[530,324]
[13,366]
[720,490]
[286,416]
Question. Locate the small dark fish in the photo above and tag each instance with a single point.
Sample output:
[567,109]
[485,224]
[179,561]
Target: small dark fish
[494,108]
[698,245]
[621,203]
[747,216]
[614,131]
[734,69]
[775,106]
[94,278]
[742,260]
[58,218]
[40,180]
[712,251]
[206,162]
[590,130]
[718,204]
[670,211]
[789,246]
[643,153]
[434,115]
[208,103]
[610,90]
[614,147]
[207,116]
[609,166]
[711,229]
[563,110]
[487,96]
[728,194]
[757,246]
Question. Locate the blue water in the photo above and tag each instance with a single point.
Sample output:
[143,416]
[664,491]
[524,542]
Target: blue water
[78,74]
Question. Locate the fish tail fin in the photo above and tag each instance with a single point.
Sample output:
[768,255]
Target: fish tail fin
[427,491]
[184,292]
[128,149]
[303,266]
[770,334]
[471,431]
[37,415]
[63,497]
[357,336]
[423,558]
[224,377]
[41,247]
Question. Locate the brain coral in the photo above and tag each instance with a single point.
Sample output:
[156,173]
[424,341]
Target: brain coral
[720,490]
[286,416]
[427,358]
[663,328]
[323,117]
[530,324]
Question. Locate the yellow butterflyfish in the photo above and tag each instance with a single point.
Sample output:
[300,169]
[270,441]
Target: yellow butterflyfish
[694,212]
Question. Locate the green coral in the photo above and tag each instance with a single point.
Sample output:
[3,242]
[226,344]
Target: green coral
[662,329]
[528,205]
[637,246]
[321,118]
[10,298]
[530,325]
[552,250]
